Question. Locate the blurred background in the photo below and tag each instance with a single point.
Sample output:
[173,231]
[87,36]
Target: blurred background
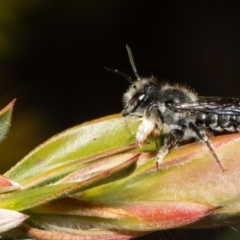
[53,54]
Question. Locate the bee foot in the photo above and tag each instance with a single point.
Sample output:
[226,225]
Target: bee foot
[163,151]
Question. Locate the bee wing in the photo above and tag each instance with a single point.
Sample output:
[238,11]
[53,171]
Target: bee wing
[214,105]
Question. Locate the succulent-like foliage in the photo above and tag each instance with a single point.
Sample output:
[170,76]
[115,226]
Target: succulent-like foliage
[93,182]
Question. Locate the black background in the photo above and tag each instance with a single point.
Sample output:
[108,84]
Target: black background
[67,44]
[55,62]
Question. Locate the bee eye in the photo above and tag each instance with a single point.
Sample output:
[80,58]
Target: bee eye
[169,103]
[141,97]
[136,100]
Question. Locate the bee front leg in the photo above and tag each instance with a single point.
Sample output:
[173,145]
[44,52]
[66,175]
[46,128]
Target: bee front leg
[170,141]
[151,125]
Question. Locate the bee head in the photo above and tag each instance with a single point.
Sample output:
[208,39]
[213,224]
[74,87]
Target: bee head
[141,93]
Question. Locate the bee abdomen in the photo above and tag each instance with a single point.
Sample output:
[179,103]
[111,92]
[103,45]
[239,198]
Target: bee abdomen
[219,122]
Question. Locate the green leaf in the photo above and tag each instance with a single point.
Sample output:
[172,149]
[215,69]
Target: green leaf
[32,197]
[73,149]
[189,173]
[5,119]
[87,177]
[140,216]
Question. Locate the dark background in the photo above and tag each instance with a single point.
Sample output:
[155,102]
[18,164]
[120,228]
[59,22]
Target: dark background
[53,54]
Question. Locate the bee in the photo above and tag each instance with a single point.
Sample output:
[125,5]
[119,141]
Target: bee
[177,112]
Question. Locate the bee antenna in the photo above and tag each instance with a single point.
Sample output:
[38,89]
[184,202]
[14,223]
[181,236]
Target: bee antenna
[120,73]
[130,55]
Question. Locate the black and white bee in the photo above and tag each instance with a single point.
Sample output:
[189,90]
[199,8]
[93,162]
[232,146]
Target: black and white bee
[178,112]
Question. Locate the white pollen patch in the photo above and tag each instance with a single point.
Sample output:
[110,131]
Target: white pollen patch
[144,130]
[141,97]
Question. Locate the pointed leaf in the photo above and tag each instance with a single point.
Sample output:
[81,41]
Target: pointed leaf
[190,187]
[10,219]
[65,233]
[31,197]
[189,173]
[7,185]
[5,119]
[136,216]
[77,144]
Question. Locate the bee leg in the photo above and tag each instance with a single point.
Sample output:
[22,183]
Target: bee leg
[202,135]
[170,141]
[151,125]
